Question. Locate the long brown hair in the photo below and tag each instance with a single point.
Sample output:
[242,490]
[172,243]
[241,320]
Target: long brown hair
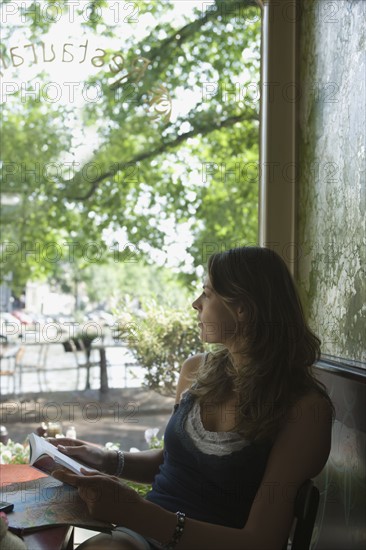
[278,347]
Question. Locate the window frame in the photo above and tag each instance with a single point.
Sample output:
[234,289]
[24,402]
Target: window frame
[278,158]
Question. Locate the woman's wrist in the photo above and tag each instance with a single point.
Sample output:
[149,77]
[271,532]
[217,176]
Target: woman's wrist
[177,533]
[120,463]
[159,524]
[110,463]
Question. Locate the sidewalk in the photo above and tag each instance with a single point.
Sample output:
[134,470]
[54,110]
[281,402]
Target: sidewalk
[122,417]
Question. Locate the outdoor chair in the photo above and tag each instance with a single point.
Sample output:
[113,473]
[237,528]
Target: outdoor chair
[8,369]
[39,366]
[306,507]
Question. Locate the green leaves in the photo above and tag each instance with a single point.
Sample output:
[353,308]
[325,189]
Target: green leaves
[161,340]
[121,161]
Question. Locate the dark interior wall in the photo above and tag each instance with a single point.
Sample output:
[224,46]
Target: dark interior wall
[341,520]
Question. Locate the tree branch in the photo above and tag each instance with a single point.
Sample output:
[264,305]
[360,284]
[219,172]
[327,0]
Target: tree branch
[166,146]
[189,30]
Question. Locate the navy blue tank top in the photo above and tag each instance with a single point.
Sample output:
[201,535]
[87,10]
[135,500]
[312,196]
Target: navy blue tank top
[207,487]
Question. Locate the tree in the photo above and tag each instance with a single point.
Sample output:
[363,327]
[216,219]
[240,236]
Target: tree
[151,169]
[118,284]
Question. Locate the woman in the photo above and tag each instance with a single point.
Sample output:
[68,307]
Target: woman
[250,425]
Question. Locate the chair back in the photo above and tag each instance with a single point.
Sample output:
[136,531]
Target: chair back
[78,352]
[19,356]
[8,365]
[306,508]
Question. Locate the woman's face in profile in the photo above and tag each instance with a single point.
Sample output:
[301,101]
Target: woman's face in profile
[217,323]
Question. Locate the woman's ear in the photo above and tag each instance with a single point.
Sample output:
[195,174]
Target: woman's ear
[240,311]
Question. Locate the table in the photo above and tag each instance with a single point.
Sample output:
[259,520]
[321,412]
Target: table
[103,362]
[55,538]
[103,370]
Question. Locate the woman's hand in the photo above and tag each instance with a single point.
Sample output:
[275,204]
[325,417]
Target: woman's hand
[90,455]
[107,497]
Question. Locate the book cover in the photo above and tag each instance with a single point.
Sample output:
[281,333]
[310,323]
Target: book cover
[46,457]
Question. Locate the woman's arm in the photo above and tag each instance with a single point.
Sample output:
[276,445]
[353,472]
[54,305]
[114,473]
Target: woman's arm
[299,452]
[187,374]
[141,467]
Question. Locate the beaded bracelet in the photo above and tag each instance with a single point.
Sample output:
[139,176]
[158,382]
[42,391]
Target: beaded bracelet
[178,531]
[120,463]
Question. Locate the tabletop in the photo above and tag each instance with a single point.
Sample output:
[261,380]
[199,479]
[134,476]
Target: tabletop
[57,538]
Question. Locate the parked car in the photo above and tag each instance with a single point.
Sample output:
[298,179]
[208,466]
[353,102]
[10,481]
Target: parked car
[64,322]
[101,317]
[40,318]
[23,317]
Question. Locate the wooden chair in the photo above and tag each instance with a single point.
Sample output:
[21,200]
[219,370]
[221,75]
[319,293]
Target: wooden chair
[306,508]
[8,367]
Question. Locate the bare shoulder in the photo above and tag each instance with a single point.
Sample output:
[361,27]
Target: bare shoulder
[192,364]
[299,452]
[187,373]
[312,408]
[304,441]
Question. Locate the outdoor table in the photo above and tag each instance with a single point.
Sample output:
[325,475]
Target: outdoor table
[103,362]
[103,389]
[57,538]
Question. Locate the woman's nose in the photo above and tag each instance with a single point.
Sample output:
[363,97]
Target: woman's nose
[196,304]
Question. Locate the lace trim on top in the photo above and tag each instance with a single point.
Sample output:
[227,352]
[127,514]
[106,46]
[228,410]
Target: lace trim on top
[214,443]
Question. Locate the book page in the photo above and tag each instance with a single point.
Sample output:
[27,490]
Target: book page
[46,502]
[39,447]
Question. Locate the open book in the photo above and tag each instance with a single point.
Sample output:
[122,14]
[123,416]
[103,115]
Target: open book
[47,457]
[46,502]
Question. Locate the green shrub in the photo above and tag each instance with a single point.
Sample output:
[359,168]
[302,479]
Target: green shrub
[160,341]
[14,453]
